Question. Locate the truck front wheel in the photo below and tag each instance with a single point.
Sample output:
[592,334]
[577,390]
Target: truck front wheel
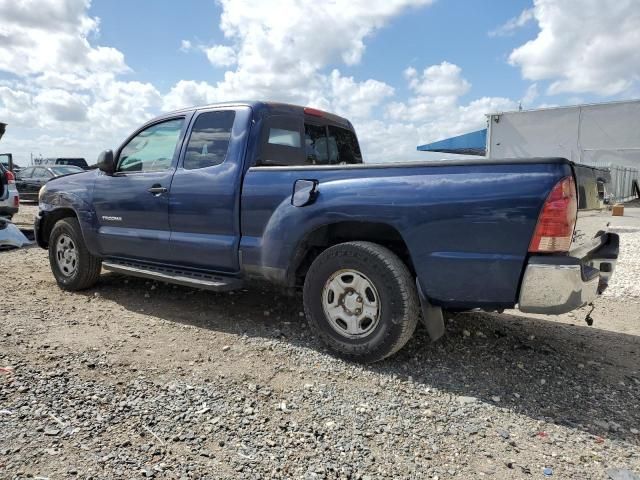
[361,300]
[73,267]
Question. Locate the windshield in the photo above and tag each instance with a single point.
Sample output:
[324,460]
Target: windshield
[66,170]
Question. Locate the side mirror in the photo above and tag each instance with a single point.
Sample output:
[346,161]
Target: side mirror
[106,162]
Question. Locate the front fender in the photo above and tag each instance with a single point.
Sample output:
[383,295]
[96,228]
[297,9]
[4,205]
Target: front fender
[61,197]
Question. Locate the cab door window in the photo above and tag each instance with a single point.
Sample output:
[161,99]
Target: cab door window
[152,149]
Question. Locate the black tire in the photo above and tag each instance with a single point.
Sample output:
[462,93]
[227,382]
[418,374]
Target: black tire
[87,269]
[398,299]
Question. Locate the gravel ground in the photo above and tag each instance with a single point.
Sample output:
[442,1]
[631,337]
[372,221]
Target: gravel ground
[137,379]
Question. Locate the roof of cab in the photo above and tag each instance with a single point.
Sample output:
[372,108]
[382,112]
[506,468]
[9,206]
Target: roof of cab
[262,107]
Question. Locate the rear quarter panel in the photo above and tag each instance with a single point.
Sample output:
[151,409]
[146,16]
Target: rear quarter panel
[467,227]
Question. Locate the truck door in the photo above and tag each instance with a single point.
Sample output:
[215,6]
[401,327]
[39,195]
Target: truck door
[204,201]
[132,205]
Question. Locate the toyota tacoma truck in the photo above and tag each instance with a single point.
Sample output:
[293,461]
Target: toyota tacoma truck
[213,197]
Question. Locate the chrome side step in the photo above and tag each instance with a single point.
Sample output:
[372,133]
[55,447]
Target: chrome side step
[186,278]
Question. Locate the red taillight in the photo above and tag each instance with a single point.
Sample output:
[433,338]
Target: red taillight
[557,220]
[11,178]
[16,201]
[313,111]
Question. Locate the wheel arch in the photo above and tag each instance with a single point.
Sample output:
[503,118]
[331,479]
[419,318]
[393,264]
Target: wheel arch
[330,234]
[49,219]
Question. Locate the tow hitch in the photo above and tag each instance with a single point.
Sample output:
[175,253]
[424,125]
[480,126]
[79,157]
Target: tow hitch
[589,318]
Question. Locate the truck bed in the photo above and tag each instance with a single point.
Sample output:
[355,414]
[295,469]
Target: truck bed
[466,224]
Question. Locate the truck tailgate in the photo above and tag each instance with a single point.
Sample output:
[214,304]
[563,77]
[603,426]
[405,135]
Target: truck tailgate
[593,217]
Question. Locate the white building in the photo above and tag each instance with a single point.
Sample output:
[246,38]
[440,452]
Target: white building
[603,134]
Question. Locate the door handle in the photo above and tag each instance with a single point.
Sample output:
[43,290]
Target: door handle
[157,190]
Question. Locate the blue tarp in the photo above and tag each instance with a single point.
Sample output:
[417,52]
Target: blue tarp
[473,143]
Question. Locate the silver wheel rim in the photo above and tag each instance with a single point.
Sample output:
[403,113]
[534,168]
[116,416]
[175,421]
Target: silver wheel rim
[66,255]
[351,303]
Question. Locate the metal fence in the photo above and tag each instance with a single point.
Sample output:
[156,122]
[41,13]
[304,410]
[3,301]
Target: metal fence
[622,182]
[623,165]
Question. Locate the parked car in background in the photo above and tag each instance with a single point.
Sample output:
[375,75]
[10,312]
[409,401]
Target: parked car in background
[31,179]
[214,196]
[50,162]
[9,198]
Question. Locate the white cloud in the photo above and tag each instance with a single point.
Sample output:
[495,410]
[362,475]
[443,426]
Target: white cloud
[513,24]
[355,99]
[530,95]
[16,107]
[39,35]
[72,96]
[188,93]
[443,80]
[281,47]
[65,92]
[120,106]
[60,105]
[436,99]
[220,55]
[290,32]
[433,112]
[584,46]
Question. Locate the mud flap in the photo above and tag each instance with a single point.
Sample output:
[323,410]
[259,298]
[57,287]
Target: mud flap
[11,236]
[432,317]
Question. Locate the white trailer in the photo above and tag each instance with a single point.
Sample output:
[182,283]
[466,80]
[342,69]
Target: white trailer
[604,134]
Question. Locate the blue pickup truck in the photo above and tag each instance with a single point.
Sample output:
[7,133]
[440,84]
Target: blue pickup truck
[214,196]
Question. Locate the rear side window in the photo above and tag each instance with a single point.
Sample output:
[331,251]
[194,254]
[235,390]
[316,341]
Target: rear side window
[316,146]
[281,136]
[316,143]
[346,145]
[209,140]
[330,145]
[282,141]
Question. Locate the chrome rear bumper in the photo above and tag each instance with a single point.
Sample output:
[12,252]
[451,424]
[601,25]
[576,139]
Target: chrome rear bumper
[554,285]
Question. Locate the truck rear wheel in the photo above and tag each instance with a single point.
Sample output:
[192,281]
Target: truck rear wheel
[73,267]
[361,300]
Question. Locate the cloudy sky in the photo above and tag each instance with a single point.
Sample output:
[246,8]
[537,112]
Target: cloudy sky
[76,76]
